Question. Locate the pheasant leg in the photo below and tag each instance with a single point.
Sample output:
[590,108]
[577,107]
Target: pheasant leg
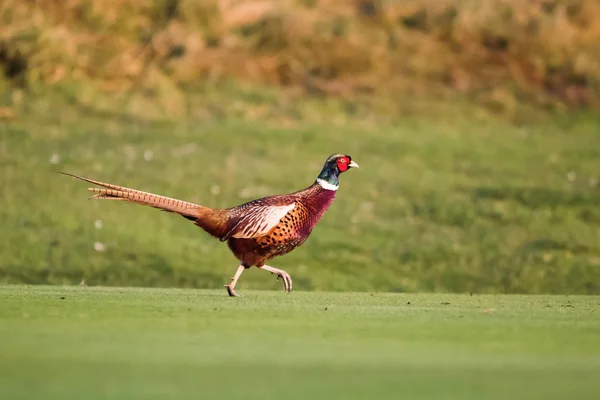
[230,287]
[287,279]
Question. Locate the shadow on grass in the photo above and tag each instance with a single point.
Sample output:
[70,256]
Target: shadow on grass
[545,244]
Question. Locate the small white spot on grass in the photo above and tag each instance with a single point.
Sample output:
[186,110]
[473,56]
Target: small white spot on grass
[98,224]
[54,158]
[148,155]
[571,176]
[99,247]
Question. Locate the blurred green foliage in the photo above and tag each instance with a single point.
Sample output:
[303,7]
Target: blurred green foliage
[218,102]
[464,204]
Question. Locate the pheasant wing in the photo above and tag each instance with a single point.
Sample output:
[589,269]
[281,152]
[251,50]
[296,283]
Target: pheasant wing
[258,220]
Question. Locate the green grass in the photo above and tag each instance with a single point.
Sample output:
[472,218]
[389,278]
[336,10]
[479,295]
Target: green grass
[92,342]
[459,203]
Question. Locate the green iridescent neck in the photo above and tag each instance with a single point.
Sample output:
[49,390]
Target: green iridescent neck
[328,177]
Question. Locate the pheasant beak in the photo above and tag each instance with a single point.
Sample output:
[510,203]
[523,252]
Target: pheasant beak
[352,165]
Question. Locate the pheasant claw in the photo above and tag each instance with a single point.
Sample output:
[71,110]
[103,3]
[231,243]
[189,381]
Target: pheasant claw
[287,279]
[231,292]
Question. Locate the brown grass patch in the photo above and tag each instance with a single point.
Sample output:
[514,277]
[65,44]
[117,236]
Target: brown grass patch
[501,52]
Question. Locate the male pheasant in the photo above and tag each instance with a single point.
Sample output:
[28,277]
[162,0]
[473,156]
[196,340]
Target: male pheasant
[255,231]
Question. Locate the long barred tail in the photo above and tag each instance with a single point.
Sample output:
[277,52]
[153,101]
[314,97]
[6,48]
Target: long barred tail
[113,192]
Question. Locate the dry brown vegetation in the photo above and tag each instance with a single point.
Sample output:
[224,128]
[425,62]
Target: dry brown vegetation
[500,52]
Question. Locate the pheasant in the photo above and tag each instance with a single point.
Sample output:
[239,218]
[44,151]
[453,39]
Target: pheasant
[256,231]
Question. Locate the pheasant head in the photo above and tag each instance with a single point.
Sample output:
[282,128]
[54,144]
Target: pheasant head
[334,166]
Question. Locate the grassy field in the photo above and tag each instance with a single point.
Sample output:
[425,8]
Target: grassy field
[91,342]
[445,204]
[460,203]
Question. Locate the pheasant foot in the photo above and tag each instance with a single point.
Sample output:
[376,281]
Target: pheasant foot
[231,285]
[287,279]
[230,291]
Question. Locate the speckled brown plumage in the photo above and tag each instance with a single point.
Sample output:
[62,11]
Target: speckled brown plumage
[290,232]
[255,231]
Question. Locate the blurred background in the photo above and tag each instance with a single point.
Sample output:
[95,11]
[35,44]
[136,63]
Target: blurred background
[475,124]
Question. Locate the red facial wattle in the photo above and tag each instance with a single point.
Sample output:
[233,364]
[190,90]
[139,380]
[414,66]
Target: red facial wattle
[342,164]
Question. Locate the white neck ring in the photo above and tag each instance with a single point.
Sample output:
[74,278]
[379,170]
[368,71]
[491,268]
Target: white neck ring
[326,185]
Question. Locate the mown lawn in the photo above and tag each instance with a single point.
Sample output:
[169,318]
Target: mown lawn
[122,343]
